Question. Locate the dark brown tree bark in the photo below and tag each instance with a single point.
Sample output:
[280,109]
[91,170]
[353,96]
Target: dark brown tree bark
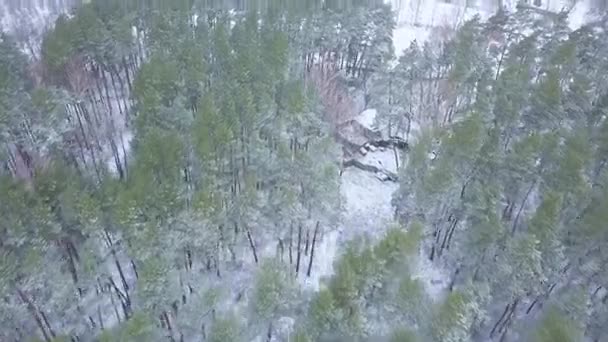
[312,249]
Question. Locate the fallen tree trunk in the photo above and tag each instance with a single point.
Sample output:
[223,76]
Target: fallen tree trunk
[390,176]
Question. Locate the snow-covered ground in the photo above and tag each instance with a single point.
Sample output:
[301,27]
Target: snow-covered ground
[367,211]
[420,19]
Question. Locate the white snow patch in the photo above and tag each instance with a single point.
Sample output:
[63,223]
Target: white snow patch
[368,211]
[416,19]
[580,14]
[434,278]
[367,207]
[404,36]
[367,118]
[384,160]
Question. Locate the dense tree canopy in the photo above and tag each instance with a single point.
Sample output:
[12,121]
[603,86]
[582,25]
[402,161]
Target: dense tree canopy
[170,171]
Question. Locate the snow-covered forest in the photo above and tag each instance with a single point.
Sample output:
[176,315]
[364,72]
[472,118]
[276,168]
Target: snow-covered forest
[303,171]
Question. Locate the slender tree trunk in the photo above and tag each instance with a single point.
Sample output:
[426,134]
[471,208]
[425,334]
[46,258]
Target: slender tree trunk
[502,317]
[124,156]
[98,85]
[169,326]
[126,67]
[450,234]
[105,85]
[502,56]
[116,156]
[216,260]
[521,208]
[312,249]
[123,93]
[299,248]
[84,137]
[124,302]
[252,245]
[507,322]
[93,101]
[114,306]
[48,325]
[100,318]
[446,235]
[269,332]
[134,267]
[34,312]
[125,285]
[115,89]
[307,242]
[281,249]
[71,262]
[290,243]
[532,305]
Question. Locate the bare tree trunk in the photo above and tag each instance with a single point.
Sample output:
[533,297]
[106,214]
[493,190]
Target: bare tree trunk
[134,267]
[100,318]
[521,208]
[446,236]
[290,243]
[123,93]
[502,55]
[116,95]
[98,86]
[281,249]
[71,262]
[126,67]
[502,317]
[114,306]
[396,157]
[124,302]
[307,242]
[84,137]
[451,234]
[312,249]
[48,325]
[252,245]
[34,312]
[116,156]
[169,326]
[124,156]
[507,322]
[125,285]
[299,248]
[105,85]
